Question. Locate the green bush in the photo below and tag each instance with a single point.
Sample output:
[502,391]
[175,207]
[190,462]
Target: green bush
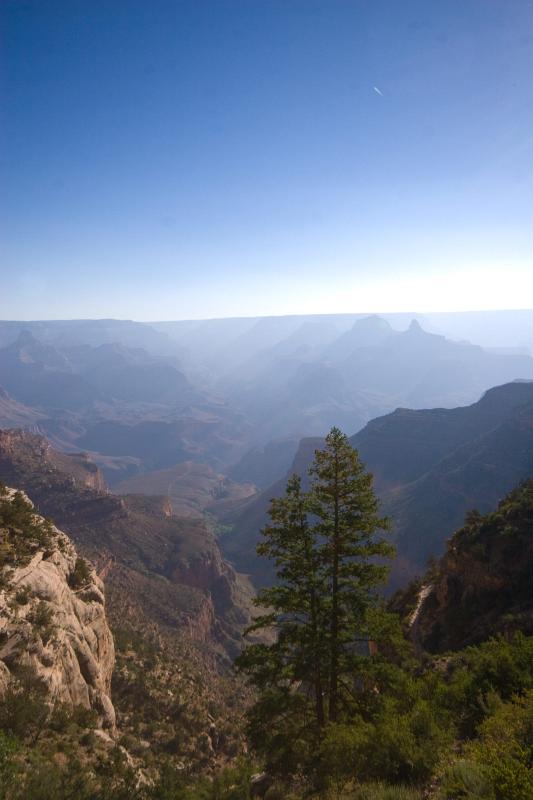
[498,668]
[399,746]
[8,765]
[64,716]
[466,780]
[24,710]
[408,745]
[22,596]
[80,575]
[505,749]
[22,532]
[41,618]
[42,615]
[385,791]
[343,753]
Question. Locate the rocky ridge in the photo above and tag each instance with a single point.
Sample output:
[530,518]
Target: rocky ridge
[159,568]
[429,466]
[482,584]
[52,613]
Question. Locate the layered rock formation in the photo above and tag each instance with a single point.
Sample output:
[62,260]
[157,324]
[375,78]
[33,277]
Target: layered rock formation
[52,613]
[28,449]
[159,568]
[191,488]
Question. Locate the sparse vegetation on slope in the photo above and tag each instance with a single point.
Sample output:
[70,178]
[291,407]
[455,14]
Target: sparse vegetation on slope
[413,725]
[407,725]
[482,584]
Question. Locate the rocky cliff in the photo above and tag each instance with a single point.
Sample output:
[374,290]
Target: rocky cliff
[28,449]
[52,612]
[482,584]
[429,466]
[159,568]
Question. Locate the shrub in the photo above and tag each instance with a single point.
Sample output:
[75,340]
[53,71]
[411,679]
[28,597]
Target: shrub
[63,716]
[407,745]
[466,780]
[41,618]
[22,596]
[23,533]
[24,710]
[343,753]
[385,791]
[505,749]
[498,668]
[399,746]
[80,575]
[8,751]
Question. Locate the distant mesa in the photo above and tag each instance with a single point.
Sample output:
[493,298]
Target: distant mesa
[145,397]
[415,327]
[370,331]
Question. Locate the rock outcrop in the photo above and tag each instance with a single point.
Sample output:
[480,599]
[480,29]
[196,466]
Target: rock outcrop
[52,612]
[160,569]
[482,584]
[76,467]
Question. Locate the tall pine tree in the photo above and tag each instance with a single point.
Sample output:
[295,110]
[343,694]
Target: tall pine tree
[328,554]
[347,522]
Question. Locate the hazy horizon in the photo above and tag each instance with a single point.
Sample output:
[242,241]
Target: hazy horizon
[406,313]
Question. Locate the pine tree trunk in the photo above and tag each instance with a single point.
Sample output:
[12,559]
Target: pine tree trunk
[319,695]
[334,630]
[319,701]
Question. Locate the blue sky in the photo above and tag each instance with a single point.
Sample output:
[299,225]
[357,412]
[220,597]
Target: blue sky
[176,159]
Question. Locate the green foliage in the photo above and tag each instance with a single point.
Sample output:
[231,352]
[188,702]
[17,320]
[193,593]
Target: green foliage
[22,596]
[192,719]
[323,608]
[41,618]
[47,781]
[466,780]
[110,778]
[42,615]
[342,752]
[8,752]
[232,783]
[488,566]
[349,555]
[387,791]
[24,710]
[510,521]
[498,763]
[80,575]
[471,710]
[396,747]
[505,749]
[22,533]
[62,717]
[457,727]
[298,657]
[497,669]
